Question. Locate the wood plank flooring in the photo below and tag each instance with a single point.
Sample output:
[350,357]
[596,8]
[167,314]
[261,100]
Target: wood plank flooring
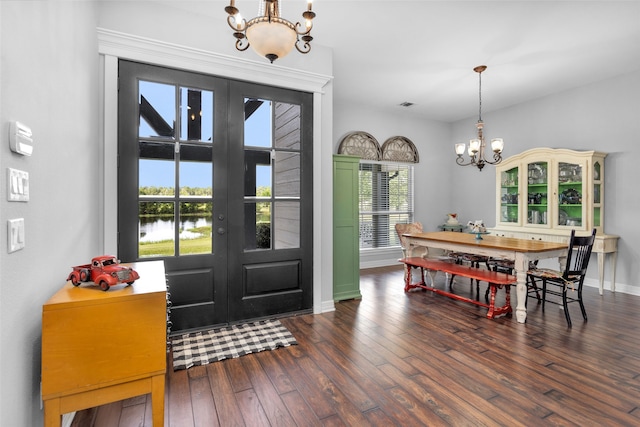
[417,359]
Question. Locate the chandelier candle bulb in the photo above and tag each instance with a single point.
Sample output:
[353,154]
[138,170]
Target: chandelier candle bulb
[497,145]
[474,145]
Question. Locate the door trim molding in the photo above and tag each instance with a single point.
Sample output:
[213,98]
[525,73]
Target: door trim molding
[136,48]
[114,45]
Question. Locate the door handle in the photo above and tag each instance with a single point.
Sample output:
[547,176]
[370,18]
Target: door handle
[221,230]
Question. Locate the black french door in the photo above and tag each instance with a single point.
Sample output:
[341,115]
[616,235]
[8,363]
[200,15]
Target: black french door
[215,178]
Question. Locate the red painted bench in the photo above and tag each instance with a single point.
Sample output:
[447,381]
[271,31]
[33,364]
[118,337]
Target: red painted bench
[496,281]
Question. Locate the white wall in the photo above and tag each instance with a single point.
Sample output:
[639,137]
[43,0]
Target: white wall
[49,71]
[604,116]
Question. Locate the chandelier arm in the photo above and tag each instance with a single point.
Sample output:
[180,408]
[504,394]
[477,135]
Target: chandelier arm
[460,161]
[303,29]
[302,45]
[242,44]
[235,26]
[497,158]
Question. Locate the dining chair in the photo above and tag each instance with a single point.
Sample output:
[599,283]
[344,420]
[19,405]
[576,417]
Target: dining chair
[571,279]
[419,251]
[507,266]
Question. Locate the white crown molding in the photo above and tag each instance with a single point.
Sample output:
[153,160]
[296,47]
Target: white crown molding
[142,49]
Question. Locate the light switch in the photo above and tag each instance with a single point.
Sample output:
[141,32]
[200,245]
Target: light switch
[15,234]
[17,185]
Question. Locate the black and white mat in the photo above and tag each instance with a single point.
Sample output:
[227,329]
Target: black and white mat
[201,348]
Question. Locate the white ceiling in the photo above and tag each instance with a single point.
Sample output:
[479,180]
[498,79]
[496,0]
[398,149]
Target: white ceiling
[423,51]
[388,52]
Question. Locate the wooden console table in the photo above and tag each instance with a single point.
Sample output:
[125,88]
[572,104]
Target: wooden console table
[100,347]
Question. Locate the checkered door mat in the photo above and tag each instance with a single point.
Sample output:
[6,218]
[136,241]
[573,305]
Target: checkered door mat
[201,348]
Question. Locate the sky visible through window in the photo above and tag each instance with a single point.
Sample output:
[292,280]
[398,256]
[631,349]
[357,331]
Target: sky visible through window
[161,173]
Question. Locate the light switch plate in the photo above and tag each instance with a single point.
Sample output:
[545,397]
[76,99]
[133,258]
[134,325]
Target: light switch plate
[15,234]
[17,185]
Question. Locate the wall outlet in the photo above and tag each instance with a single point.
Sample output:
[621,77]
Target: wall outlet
[15,234]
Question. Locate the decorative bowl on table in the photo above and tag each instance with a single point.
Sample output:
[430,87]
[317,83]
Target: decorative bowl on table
[479,234]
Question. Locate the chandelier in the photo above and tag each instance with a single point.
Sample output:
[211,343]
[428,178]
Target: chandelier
[268,34]
[477,145]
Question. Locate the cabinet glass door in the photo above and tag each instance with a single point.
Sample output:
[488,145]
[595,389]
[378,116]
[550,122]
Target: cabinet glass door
[570,195]
[597,194]
[537,193]
[509,196]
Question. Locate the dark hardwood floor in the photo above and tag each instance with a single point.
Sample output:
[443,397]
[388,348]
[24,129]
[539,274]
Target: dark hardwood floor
[413,360]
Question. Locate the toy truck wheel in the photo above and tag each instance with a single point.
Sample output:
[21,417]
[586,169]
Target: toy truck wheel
[104,285]
[74,280]
[84,275]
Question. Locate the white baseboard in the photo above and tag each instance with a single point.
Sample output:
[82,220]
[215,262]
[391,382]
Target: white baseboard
[379,263]
[328,306]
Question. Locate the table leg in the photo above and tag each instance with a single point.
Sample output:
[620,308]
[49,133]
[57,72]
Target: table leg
[601,270]
[521,266]
[613,256]
[52,415]
[157,400]
[521,296]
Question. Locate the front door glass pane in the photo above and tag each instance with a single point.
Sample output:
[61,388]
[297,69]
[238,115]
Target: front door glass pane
[196,171]
[257,122]
[287,126]
[287,174]
[156,235]
[157,110]
[195,228]
[286,225]
[257,225]
[196,113]
[156,169]
[257,173]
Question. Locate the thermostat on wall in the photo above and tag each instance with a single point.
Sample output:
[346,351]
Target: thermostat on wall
[20,139]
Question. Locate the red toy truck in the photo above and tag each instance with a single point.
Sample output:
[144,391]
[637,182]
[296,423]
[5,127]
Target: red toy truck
[105,271]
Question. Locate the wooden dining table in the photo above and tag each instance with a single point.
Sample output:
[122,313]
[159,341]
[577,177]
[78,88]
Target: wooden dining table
[521,251]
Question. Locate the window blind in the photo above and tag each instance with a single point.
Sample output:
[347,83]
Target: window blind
[386,198]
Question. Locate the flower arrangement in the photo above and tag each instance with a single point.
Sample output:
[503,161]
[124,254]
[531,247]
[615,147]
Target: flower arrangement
[477,226]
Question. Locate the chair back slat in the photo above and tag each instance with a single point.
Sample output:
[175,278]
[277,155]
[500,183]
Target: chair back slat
[579,254]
